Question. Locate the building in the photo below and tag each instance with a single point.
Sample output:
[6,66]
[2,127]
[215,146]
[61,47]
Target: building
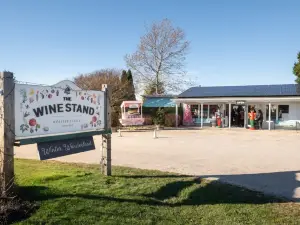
[280,104]
[152,103]
[159,101]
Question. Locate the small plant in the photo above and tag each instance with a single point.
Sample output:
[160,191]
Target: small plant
[159,118]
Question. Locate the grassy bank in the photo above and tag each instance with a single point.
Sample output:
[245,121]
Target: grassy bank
[78,194]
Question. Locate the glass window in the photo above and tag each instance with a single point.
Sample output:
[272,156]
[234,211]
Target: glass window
[212,110]
[273,112]
[282,109]
[194,111]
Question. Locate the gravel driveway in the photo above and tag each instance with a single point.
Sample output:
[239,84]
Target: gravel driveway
[267,161]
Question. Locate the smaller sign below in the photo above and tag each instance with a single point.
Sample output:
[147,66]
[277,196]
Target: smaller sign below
[240,102]
[54,149]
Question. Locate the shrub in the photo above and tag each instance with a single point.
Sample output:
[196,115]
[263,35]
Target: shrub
[159,118]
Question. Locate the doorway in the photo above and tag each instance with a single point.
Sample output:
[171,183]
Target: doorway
[237,115]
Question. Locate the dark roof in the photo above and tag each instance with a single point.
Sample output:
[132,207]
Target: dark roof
[279,90]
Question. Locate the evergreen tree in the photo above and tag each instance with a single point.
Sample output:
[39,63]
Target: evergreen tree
[124,77]
[296,69]
[131,91]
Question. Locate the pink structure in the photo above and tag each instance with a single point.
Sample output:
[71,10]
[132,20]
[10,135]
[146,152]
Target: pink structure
[187,115]
[132,113]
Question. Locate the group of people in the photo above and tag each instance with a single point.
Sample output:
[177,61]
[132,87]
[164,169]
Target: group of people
[258,120]
[237,117]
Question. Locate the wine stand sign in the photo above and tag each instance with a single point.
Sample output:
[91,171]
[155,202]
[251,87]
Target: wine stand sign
[61,119]
[58,109]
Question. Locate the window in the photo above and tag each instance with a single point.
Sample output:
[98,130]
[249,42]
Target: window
[194,111]
[273,112]
[212,110]
[283,108]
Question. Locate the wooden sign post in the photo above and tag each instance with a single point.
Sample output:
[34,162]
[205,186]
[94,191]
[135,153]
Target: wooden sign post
[28,114]
[7,134]
[106,138]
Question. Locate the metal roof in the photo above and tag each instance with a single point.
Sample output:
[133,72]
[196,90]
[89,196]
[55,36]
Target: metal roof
[155,102]
[159,96]
[279,90]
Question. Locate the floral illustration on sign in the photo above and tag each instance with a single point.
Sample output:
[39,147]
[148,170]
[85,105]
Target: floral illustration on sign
[30,125]
[67,90]
[31,98]
[23,95]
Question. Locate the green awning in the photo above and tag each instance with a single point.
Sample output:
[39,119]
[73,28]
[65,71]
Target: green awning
[158,102]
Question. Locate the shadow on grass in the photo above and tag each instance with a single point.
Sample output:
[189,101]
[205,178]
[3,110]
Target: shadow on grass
[54,177]
[172,189]
[192,192]
[154,176]
[209,193]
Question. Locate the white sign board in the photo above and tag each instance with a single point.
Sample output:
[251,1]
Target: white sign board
[58,109]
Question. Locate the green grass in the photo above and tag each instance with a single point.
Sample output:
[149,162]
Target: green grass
[79,194]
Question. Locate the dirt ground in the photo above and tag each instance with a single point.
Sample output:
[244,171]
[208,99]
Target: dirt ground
[267,161]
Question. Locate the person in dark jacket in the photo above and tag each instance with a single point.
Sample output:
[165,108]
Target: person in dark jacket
[259,119]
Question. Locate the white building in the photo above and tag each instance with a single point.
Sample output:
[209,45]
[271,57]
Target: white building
[280,104]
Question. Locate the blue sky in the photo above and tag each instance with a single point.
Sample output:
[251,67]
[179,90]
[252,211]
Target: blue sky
[233,42]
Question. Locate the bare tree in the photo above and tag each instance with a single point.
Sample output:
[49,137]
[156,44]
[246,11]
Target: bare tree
[94,81]
[160,57]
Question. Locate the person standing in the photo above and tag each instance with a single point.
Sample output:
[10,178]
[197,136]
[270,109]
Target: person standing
[259,119]
[233,119]
[242,113]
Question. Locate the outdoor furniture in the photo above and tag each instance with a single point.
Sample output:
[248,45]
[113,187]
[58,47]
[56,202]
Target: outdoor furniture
[287,124]
[206,122]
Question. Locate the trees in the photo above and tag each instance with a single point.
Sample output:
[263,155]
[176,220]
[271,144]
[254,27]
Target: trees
[160,57]
[296,69]
[127,81]
[94,81]
[150,89]
[124,76]
[131,90]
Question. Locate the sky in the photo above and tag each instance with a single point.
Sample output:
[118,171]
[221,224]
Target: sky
[233,42]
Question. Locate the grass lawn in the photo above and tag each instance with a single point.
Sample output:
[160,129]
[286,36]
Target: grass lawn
[79,194]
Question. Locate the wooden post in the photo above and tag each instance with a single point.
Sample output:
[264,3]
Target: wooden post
[106,138]
[7,133]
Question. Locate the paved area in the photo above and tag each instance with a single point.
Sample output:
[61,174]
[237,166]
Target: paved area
[267,161]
